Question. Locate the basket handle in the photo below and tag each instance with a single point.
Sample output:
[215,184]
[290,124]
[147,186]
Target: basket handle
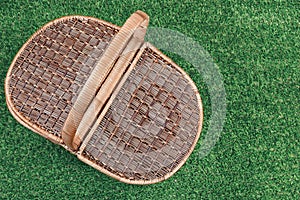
[112,59]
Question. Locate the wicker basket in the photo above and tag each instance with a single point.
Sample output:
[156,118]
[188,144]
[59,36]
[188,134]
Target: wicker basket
[107,96]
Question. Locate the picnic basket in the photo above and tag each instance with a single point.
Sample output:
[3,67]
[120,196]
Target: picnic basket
[107,96]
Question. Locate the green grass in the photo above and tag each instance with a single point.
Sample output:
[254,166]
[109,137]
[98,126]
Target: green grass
[256,45]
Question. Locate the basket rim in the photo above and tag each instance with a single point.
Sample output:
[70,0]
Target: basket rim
[182,162]
[21,119]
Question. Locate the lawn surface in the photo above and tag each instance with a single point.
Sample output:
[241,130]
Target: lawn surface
[256,45]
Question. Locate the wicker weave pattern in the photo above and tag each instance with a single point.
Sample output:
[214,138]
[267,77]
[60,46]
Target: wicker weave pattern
[150,126]
[50,72]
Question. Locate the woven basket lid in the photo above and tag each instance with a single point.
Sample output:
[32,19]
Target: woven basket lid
[104,94]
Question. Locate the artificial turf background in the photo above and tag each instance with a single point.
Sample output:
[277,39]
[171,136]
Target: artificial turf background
[256,45]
